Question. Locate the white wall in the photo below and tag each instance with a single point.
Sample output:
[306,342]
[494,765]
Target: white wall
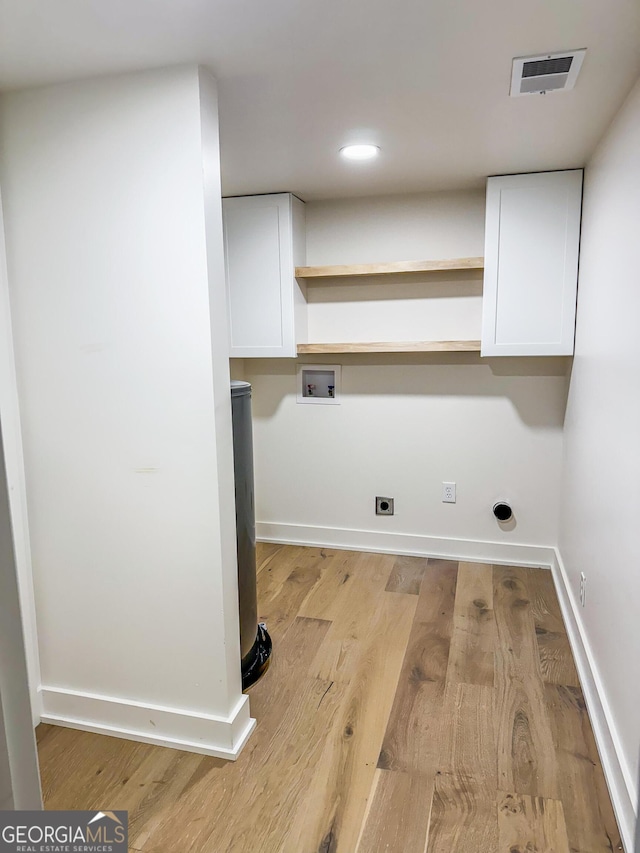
[6,786]
[412,227]
[14,462]
[114,251]
[420,227]
[601,485]
[408,423]
[19,775]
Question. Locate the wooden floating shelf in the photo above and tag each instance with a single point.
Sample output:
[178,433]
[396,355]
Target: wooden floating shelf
[397,346]
[399,267]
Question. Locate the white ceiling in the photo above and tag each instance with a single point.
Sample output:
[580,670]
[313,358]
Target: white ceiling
[427,80]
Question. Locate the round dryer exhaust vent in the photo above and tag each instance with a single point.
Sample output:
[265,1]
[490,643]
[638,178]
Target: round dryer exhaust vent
[502,511]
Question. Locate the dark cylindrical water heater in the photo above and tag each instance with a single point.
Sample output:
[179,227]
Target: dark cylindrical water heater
[255,643]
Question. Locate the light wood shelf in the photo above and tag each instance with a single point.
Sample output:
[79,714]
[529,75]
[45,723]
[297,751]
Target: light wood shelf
[397,346]
[399,267]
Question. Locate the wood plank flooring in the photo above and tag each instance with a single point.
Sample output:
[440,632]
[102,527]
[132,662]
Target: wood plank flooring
[412,706]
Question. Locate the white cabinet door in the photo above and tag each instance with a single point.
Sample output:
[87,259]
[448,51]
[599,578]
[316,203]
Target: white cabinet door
[531,263]
[264,242]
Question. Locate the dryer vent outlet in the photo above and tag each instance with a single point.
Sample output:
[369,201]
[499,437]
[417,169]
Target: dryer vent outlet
[502,511]
[384,506]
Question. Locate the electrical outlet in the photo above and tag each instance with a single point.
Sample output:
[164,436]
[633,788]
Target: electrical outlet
[448,493]
[583,589]
[384,506]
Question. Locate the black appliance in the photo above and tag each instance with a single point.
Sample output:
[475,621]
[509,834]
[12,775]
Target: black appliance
[255,642]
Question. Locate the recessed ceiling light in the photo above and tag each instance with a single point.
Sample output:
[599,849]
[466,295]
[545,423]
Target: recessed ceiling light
[360,152]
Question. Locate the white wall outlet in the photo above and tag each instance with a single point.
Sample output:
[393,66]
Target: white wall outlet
[448,493]
[583,588]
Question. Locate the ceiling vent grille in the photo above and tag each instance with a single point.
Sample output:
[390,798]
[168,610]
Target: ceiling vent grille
[551,72]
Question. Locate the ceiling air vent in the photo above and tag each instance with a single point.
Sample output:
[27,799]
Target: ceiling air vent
[551,72]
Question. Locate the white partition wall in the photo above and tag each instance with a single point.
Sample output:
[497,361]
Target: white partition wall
[115,267]
[600,496]
[14,463]
[19,776]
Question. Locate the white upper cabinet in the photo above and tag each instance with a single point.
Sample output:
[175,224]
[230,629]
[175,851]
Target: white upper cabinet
[264,242]
[531,263]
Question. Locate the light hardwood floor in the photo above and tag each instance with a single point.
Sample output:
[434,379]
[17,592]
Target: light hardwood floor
[412,706]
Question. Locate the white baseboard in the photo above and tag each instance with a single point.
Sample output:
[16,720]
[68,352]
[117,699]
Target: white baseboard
[619,780]
[477,551]
[207,734]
